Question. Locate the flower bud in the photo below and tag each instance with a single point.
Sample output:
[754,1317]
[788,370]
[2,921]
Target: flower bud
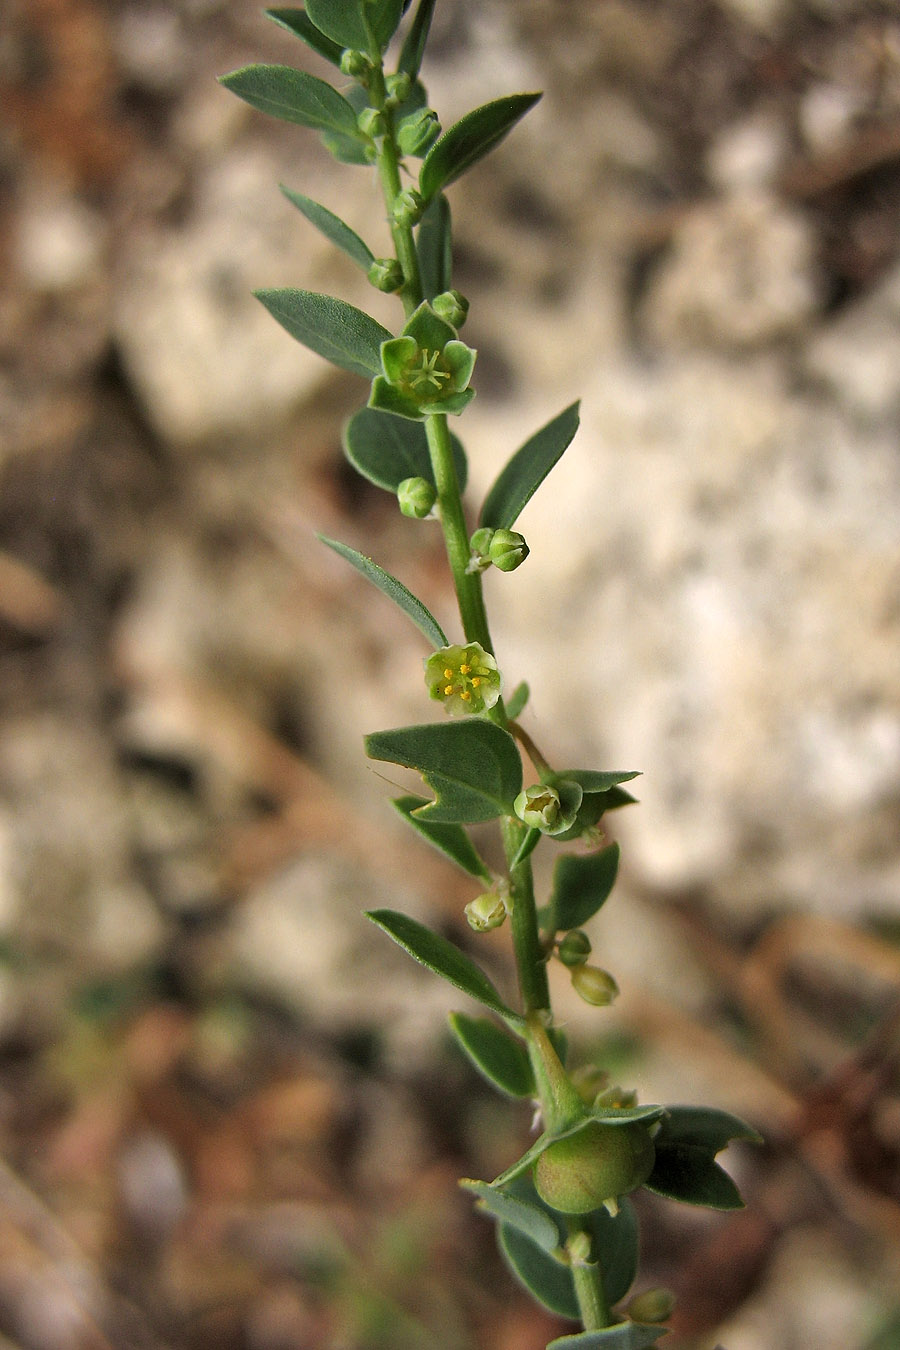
[479,544]
[386,274]
[451,306]
[575,948]
[418,132]
[355,64]
[599,1163]
[508,550]
[653,1305]
[594,985]
[398,87]
[579,1248]
[416,497]
[485,912]
[371,123]
[538,806]
[408,207]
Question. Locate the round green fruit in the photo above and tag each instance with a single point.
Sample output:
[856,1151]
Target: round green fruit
[580,1173]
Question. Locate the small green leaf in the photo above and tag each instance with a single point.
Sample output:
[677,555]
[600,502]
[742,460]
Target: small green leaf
[387,449]
[343,21]
[688,1173]
[451,840]
[293,96]
[472,766]
[332,227]
[340,332]
[468,140]
[581,886]
[545,1279]
[596,780]
[297,22]
[414,43]
[530,841]
[625,1336]
[410,604]
[706,1127]
[515,704]
[434,247]
[531,1220]
[441,957]
[529,466]
[503,1061]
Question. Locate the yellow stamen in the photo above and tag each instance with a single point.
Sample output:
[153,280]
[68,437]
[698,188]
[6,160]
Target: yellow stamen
[465,695]
[475,682]
[464,669]
[448,691]
[448,674]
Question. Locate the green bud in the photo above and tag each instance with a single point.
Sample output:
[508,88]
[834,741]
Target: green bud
[416,497]
[371,123]
[594,1167]
[418,132]
[538,806]
[398,87]
[452,306]
[575,948]
[408,207]
[386,274]
[355,64]
[508,550]
[594,985]
[485,912]
[653,1305]
[479,544]
[579,1248]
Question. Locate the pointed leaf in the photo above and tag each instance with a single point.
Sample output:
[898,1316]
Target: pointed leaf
[688,1173]
[503,1061]
[414,43]
[410,604]
[531,1220]
[529,466]
[581,886]
[706,1127]
[468,140]
[625,1336]
[293,96]
[434,247]
[515,704]
[597,780]
[296,21]
[342,20]
[386,449]
[530,841]
[472,766]
[441,957]
[549,1282]
[451,840]
[341,333]
[332,227]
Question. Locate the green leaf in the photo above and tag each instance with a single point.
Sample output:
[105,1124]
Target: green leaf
[544,1278]
[332,227]
[688,1173]
[410,604]
[530,841]
[441,957]
[595,780]
[386,449]
[531,1220]
[297,22]
[529,466]
[468,140]
[472,766]
[625,1336]
[340,332]
[293,96]
[706,1127]
[581,886]
[503,1061]
[515,704]
[451,840]
[434,247]
[342,21]
[414,44]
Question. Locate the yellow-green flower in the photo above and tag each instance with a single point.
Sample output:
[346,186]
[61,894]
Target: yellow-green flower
[464,679]
[426,369]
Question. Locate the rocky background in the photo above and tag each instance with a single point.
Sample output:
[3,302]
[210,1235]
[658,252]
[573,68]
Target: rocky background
[228,1114]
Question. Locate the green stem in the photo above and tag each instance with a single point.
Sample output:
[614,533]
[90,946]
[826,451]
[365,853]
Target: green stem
[388,163]
[593,1305]
[531,962]
[456,535]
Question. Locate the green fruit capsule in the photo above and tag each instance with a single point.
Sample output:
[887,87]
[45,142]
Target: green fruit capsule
[578,1174]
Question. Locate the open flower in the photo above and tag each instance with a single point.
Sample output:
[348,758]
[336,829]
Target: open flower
[426,369]
[464,679]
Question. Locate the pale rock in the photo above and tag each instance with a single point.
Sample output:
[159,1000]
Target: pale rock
[59,241]
[857,356]
[827,111]
[748,155]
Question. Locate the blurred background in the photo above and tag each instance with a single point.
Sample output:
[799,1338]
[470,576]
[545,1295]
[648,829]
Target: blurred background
[230,1115]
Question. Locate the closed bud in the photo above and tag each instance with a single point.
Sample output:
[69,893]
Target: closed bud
[485,912]
[355,64]
[654,1305]
[579,1248]
[575,948]
[416,497]
[398,87]
[594,985]
[418,132]
[386,274]
[408,207]
[371,123]
[478,549]
[452,306]
[508,550]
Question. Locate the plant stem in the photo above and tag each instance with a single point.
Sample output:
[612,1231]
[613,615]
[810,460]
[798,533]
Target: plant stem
[388,162]
[530,960]
[456,535]
[593,1306]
